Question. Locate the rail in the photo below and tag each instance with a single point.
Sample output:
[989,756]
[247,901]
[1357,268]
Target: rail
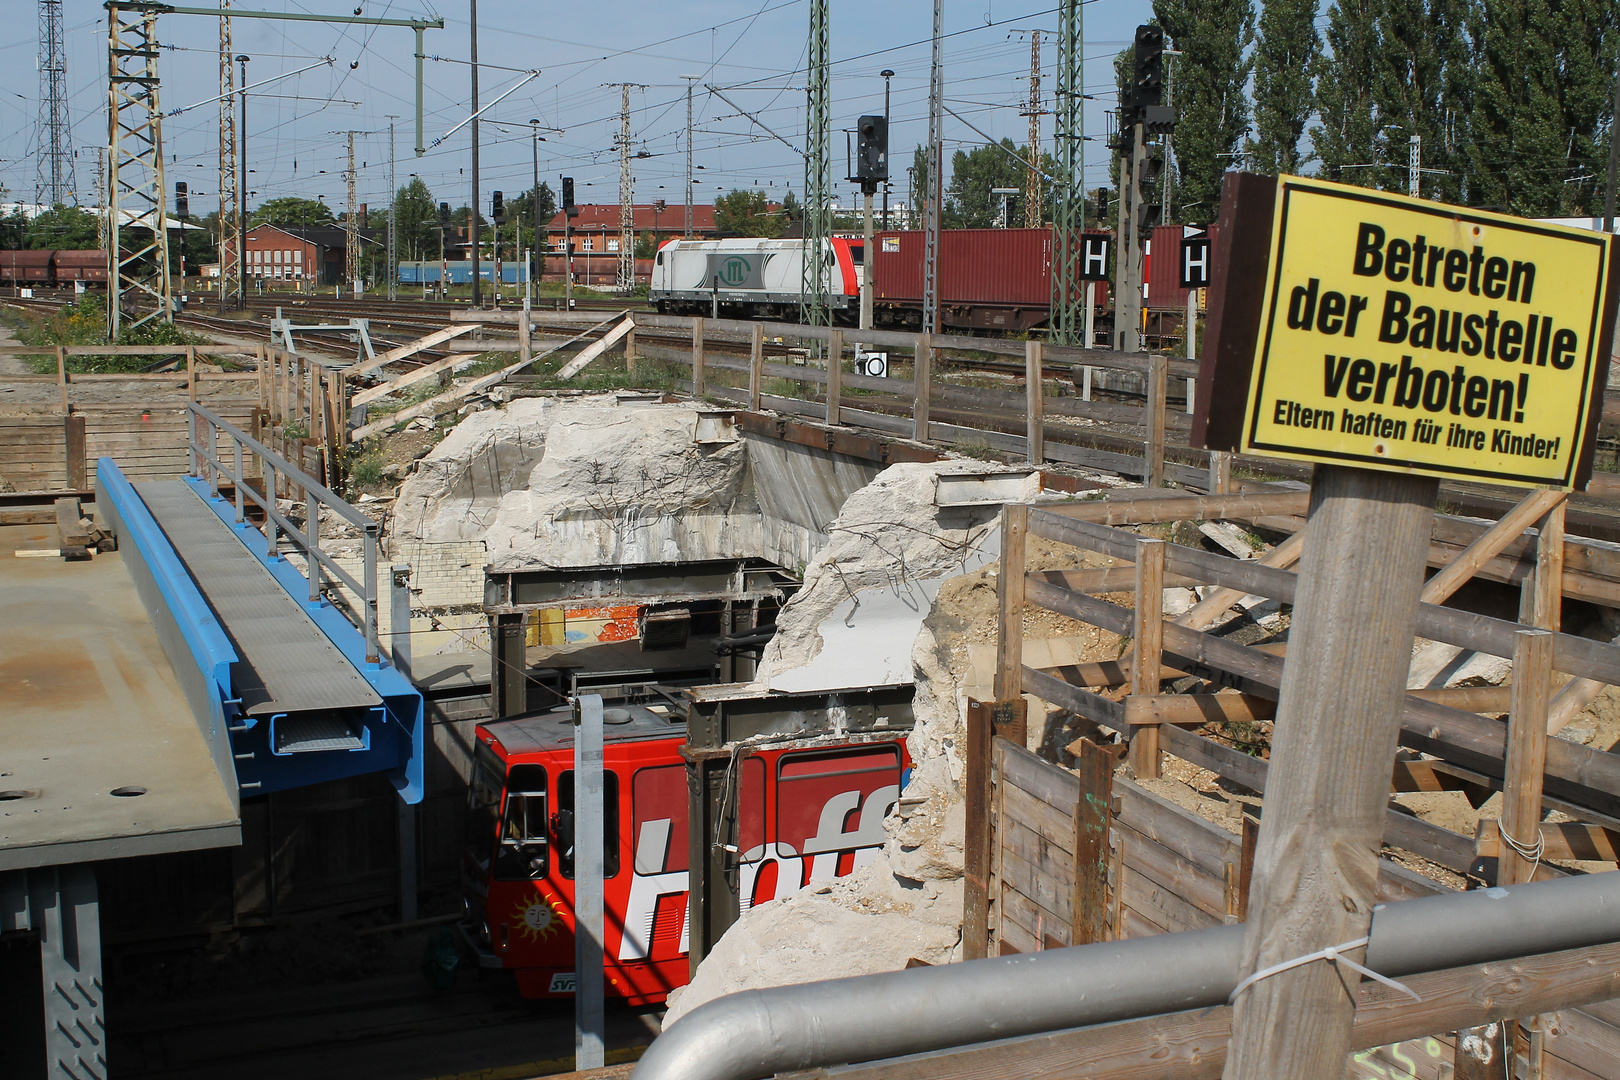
[272,467]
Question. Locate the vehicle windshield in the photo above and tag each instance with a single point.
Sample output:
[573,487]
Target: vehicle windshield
[484,804]
[523,851]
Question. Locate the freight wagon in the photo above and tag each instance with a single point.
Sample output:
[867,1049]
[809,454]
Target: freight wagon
[430,271]
[45,268]
[804,813]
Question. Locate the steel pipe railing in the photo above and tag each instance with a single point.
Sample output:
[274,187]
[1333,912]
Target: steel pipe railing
[206,465]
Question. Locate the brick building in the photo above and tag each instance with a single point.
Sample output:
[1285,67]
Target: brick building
[302,253]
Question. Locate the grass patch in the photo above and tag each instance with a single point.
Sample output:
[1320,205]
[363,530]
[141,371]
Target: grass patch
[365,468]
[978,449]
[83,321]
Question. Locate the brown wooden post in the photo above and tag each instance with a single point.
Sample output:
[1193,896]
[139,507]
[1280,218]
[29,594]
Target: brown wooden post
[1338,716]
[1220,472]
[1034,403]
[1009,683]
[1158,376]
[835,376]
[1095,768]
[1526,753]
[73,442]
[697,356]
[630,348]
[922,377]
[525,343]
[263,369]
[311,397]
[61,376]
[1541,604]
[756,366]
[191,371]
[1147,651]
[976,840]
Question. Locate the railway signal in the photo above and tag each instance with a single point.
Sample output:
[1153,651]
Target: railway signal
[497,208]
[1195,261]
[182,201]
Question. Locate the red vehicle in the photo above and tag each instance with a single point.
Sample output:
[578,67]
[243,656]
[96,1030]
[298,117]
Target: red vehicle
[805,814]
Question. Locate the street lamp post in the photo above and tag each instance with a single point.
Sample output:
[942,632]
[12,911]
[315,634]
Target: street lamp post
[534,128]
[886,74]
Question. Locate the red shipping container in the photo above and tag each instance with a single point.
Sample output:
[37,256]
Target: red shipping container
[1164,274]
[1001,267]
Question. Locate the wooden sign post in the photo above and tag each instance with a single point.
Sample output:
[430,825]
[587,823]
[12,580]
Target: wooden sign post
[1393,342]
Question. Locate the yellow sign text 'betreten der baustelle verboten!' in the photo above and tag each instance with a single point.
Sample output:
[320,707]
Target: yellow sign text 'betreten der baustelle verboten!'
[1411,335]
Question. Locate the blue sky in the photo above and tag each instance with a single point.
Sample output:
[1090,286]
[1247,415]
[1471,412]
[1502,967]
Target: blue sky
[754,49]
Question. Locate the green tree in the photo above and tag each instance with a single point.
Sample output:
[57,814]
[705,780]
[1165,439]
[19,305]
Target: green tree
[1285,51]
[1421,79]
[292,210]
[416,220]
[1517,133]
[747,213]
[1344,73]
[791,210]
[1213,37]
[13,231]
[66,227]
[969,203]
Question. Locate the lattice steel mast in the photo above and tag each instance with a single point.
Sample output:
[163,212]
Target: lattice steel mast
[934,199]
[55,132]
[138,263]
[1032,178]
[627,194]
[817,174]
[230,275]
[1068,321]
[351,230]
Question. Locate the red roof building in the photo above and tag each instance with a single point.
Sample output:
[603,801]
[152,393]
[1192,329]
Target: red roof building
[596,229]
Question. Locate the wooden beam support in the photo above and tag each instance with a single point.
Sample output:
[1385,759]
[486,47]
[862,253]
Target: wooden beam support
[1209,610]
[1095,768]
[1567,840]
[596,348]
[1158,378]
[1010,588]
[978,835]
[756,365]
[1327,788]
[411,348]
[1542,604]
[1147,650]
[922,378]
[1034,403]
[1149,510]
[1526,752]
[73,444]
[835,377]
[697,356]
[1196,709]
[1490,542]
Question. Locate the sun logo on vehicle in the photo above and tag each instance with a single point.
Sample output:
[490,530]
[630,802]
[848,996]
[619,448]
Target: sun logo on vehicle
[537,917]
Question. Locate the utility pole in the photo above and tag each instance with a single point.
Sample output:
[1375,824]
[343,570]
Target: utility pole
[101,198]
[55,132]
[1414,164]
[934,197]
[1614,164]
[817,173]
[689,80]
[886,74]
[136,196]
[1069,308]
[351,232]
[1032,179]
[393,197]
[229,275]
[477,233]
[627,212]
[241,187]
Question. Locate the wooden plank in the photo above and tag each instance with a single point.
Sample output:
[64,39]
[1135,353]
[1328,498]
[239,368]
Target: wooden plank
[1094,769]
[1193,1045]
[922,378]
[1010,591]
[978,831]
[1205,613]
[1157,380]
[1048,890]
[1035,402]
[593,350]
[1044,857]
[1162,903]
[69,533]
[835,376]
[1489,543]
[1423,776]
[1035,776]
[1200,842]
[1195,885]
[1093,707]
[1526,752]
[697,357]
[1147,648]
[756,364]
[408,378]
[1042,925]
[1542,605]
[1564,840]
[438,337]
[1196,709]
[1107,579]
[1055,826]
[1146,511]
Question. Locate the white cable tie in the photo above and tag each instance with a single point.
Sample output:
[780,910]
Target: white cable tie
[1333,954]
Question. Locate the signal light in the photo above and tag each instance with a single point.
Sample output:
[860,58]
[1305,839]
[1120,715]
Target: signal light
[872,150]
[444,215]
[497,209]
[182,201]
[568,197]
[1148,86]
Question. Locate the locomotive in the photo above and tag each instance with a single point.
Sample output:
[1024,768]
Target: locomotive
[805,813]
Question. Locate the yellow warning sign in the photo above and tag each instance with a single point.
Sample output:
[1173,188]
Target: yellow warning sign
[1402,334]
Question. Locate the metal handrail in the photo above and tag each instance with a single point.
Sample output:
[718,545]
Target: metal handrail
[206,465]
